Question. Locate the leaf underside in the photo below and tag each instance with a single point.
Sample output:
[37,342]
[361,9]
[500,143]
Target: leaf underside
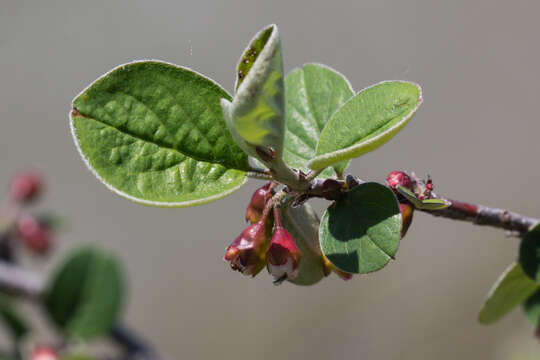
[155,133]
[511,289]
[367,121]
[360,232]
[314,93]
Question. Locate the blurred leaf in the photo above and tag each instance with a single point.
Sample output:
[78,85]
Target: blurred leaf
[314,92]
[365,122]
[360,232]
[532,308]
[77,357]
[529,253]
[154,133]
[512,288]
[17,325]
[303,224]
[256,116]
[85,296]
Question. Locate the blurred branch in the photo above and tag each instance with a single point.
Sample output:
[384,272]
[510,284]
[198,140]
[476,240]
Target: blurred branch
[29,285]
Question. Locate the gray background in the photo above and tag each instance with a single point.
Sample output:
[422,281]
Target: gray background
[476,134]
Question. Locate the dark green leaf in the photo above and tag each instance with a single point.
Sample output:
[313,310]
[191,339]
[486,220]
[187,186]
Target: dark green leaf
[360,232]
[529,253]
[16,324]
[512,288]
[85,296]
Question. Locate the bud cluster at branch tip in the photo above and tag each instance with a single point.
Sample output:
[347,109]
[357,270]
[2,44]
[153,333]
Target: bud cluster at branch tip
[393,180]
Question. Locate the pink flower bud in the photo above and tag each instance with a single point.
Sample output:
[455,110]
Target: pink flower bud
[258,201]
[247,252]
[44,353]
[26,187]
[396,178]
[34,235]
[283,256]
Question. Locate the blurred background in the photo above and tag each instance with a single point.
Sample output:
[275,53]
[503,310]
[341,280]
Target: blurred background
[476,134]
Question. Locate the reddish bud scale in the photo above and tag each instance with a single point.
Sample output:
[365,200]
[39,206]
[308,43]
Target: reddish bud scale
[36,236]
[26,187]
[396,178]
[329,267]
[407,212]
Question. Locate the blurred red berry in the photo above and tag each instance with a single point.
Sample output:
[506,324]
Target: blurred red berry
[396,178]
[44,353]
[26,187]
[36,236]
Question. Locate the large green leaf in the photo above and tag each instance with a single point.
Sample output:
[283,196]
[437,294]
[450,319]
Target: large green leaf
[314,93]
[303,224]
[532,308]
[529,253]
[85,296]
[360,232]
[511,289]
[155,133]
[256,115]
[367,121]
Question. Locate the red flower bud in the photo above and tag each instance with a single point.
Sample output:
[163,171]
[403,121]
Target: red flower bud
[247,252]
[44,353]
[407,211]
[36,236]
[26,187]
[258,201]
[283,256]
[396,178]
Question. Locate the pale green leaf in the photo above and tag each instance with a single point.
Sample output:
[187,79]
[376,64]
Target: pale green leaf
[367,121]
[256,116]
[155,133]
[511,289]
[303,224]
[531,307]
[428,204]
[314,92]
[86,294]
[360,232]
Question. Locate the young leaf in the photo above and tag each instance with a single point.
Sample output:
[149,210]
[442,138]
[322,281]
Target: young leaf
[511,289]
[303,224]
[313,92]
[360,232]
[256,115]
[367,121]
[428,204]
[529,253]
[85,296]
[532,309]
[154,133]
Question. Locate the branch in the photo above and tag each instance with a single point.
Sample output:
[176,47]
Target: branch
[29,285]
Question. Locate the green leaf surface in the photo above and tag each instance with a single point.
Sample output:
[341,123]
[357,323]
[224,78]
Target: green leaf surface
[428,204]
[529,253]
[86,294]
[303,224]
[367,121]
[360,232]
[256,115]
[531,307]
[16,324]
[314,93]
[155,133]
[511,289]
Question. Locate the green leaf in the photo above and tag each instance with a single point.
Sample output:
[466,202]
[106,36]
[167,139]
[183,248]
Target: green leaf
[85,296]
[154,133]
[367,121]
[360,232]
[428,204]
[511,289]
[303,224]
[314,93]
[529,253]
[532,309]
[16,324]
[256,116]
